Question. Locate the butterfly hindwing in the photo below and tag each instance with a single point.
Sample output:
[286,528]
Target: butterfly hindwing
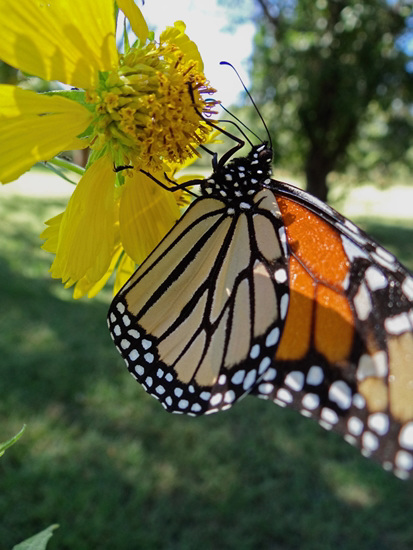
[199,321]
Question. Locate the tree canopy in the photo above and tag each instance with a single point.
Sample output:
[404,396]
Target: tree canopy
[325,71]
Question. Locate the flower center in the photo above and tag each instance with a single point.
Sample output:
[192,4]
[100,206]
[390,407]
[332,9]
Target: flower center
[148,110]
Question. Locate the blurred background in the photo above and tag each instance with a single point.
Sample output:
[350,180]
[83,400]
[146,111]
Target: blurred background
[333,81]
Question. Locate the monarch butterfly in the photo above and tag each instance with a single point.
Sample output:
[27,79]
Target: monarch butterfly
[262,289]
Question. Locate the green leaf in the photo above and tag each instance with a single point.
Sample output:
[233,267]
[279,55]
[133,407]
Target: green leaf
[37,542]
[12,441]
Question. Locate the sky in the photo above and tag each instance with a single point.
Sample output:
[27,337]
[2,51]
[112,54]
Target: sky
[207,25]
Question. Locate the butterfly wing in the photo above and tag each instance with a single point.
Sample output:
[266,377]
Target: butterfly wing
[199,321]
[346,354]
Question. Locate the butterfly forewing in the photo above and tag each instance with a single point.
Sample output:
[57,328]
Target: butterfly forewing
[346,354]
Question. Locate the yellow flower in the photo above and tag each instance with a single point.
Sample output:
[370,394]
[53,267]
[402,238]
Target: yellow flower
[140,109]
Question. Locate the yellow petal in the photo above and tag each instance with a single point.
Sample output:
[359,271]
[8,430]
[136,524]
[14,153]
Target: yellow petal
[125,270]
[86,236]
[51,233]
[91,288]
[58,39]
[136,19]
[35,127]
[176,35]
[146,214]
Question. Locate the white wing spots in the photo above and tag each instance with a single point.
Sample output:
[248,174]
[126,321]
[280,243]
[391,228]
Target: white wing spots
[352,250]
[272,337]
[398,324]
[270,374]
[139,370]
[216,399]
[280,276]
[178,392]
[406,436]
[310,401]
[222,379]
[149,357]
[341,394]
[160,389]
[229,396]
[134,333]
[149,381]
[375,365]
[379,423]
[353,228]
[355,426]
[169,377]
[133,355]
[196,407]
[117,330]
[404,461]
[160,373]
[407,287]
[328,415]
[376,280]
[284,395]
[205,395]
[126,320]
[384,258]
[249,379]
[255,351]
[362,303]
[183,404]
[112,319]
[264,364]
[228,177]
[358,401]
[244,205]
[238,377]
[315,376]
[124,344]
[283,240]
[284,305]
[266,388]
[120,307]
[295,380]
[370,443]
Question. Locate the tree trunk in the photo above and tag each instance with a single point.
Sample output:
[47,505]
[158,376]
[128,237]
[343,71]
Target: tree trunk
[316,172]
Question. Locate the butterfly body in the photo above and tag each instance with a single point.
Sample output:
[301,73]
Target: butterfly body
[262,289]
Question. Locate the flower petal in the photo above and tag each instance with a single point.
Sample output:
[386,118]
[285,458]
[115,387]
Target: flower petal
[136,19]
[91,288]
[51,233]
[146,214]
[86,236]
[176,35]
[59,40]
[124,272]
[35,127]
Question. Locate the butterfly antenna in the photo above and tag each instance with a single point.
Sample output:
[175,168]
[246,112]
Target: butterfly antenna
[240,122]
[251,99]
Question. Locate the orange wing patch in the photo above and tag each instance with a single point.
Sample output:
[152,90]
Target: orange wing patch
[318,268]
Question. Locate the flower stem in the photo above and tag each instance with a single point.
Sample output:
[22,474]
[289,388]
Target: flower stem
[67,165]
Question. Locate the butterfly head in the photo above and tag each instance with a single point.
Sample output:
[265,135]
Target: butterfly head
[242,177]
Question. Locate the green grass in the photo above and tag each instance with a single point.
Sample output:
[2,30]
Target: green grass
[105,461]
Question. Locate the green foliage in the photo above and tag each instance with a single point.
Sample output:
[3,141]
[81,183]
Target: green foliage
[105,461]
[11,441]
[330,74]
[37,542]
